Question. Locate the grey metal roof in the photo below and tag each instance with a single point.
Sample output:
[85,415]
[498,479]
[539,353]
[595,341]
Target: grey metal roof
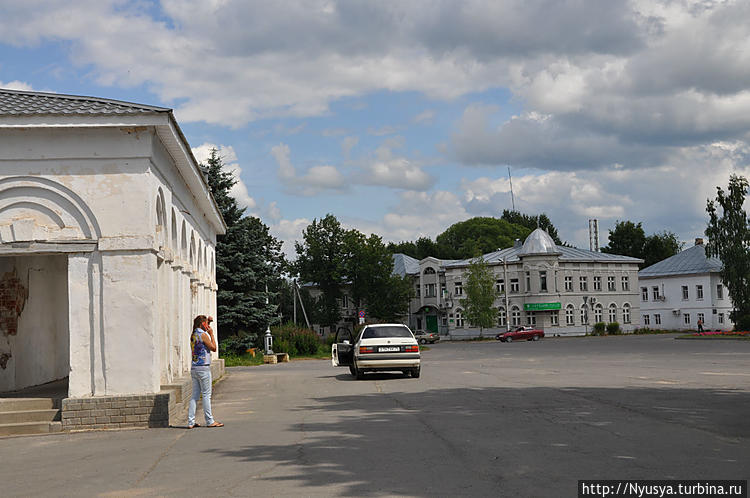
[689,261]
[403,265]
[539,242]
[567,254]
[20,103]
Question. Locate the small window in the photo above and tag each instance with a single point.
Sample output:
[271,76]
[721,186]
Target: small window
[655,292]
[528,281]
[702,318]
[530,318]
[554,318]
[584,314]
[500,285]
[719,291]
[644,293]
[515,313]
[419,292]
[699,292]
[344,301]
[459,287]
[625,281]
[459,319]
[646,320]
[429,290]
[583,283]
[611,284]
[569,283]
[721,317]
[685,295]
[514,287]
[626,313]
[501,317]
[598,313]
[612,312]
[597,283]
[657,319]
[686,318]
[542,281]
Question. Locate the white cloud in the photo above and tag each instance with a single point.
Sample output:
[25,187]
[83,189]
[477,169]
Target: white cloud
[16,85]
[385,169]
[289,231]
[425,117]
[229,162]
[316,180]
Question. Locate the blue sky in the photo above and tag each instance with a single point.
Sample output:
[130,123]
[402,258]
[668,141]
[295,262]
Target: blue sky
[402,118]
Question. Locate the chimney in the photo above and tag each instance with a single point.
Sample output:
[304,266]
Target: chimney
[699,241]
[517,243]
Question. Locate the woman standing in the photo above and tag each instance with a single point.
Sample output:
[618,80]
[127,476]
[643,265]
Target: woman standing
[202,342]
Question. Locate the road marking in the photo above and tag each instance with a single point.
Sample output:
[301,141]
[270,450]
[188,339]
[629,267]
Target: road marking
[245,413]
[625,457]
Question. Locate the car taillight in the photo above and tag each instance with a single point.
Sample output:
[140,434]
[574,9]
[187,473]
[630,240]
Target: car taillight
[366,349]
[411,349]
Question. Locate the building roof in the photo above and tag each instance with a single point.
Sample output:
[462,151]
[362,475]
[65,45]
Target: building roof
[405,265]
[20,103]
[539,242]
[21,109]
[566,254]
[689,261]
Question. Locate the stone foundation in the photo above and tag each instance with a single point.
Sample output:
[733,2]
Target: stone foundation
[124,412]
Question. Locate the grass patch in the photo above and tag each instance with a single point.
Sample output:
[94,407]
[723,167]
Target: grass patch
[248,360]
[717,337]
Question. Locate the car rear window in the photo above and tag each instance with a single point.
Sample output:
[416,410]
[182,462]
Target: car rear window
[381,332]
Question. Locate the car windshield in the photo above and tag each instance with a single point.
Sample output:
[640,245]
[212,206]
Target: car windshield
[381,332]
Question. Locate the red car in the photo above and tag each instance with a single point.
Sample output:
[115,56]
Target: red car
[528,333]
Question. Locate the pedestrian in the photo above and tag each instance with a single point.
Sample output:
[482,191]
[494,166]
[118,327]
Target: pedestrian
[700,325]
[202,342]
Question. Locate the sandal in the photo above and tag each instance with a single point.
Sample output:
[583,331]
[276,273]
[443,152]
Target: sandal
[216,424]
[190,426]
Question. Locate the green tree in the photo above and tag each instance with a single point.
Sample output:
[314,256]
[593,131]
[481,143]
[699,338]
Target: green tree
[532,222]
[729,240]
[320,261]
[464,239]
[480,295]
[626,239]
[660,246]
[247,259]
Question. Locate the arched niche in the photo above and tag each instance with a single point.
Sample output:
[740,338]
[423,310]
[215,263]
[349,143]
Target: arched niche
[39,209]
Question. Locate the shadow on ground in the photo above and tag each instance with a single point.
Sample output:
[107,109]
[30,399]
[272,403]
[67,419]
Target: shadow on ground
[506,441]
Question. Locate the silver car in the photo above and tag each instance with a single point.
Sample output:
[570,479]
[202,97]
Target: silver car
[378,348]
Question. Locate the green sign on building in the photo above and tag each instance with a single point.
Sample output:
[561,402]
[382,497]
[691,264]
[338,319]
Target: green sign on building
[541,306]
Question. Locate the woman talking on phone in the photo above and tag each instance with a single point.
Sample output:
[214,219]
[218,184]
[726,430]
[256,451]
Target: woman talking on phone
[202,342]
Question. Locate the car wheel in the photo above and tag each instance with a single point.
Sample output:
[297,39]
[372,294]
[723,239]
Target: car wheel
[508,339]
[358,374]
[352,370]
[423,341]
[415,372]
[536,338]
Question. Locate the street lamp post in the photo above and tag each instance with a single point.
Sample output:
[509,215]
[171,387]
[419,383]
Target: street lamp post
[268,338]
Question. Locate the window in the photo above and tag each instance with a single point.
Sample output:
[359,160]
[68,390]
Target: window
[419,292]
[611,284]
[445,321]
[459,286]
[626,313]
[568,283]
[542,281]
[646,320]
[530,318]
[429,290]
[500,286]
[686,318]
[612,312]
[515,315]
[501,317]
[719,291]
[702,318]
[699,292]
[514,285]
[597,283]
[569,315]
[344,301]
[443,290]
[583,283]
[598,312]
[554,318]
[685,292]
[655,292]
[528,281]
[459,319]
[721,317]
[625,281]
[644,293]
[584,314]
[657,319]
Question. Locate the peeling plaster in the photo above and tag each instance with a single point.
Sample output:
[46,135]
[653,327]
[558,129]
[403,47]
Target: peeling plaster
[13,296]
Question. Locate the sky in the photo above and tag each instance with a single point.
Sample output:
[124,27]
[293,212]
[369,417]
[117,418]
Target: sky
[402,118]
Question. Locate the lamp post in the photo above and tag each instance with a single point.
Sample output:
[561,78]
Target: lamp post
[585,315]
[268,338]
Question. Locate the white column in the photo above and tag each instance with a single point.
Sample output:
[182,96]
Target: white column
[83,299]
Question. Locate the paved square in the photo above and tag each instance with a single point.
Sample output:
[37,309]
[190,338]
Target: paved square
[485,419]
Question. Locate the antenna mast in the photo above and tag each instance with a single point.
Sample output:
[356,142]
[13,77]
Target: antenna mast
[512,199]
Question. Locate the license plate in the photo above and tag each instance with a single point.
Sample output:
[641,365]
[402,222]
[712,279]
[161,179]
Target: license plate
[389,349]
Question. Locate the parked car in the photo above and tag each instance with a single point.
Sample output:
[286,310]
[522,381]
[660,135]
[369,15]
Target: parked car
[378,348]
[528,333]
[425,336]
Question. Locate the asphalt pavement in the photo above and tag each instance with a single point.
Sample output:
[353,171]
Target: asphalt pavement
[484,419]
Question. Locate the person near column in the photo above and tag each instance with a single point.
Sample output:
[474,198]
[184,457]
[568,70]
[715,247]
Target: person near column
[700,325]
[202,342]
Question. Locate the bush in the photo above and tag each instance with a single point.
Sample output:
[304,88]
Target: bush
[296,341]
[613,328]
[742,323]
[599,328]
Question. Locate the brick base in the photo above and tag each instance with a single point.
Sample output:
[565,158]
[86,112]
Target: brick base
[129,411]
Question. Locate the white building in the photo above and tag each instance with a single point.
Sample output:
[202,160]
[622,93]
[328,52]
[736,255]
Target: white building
[107,245]
[538,283]
[677,292]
